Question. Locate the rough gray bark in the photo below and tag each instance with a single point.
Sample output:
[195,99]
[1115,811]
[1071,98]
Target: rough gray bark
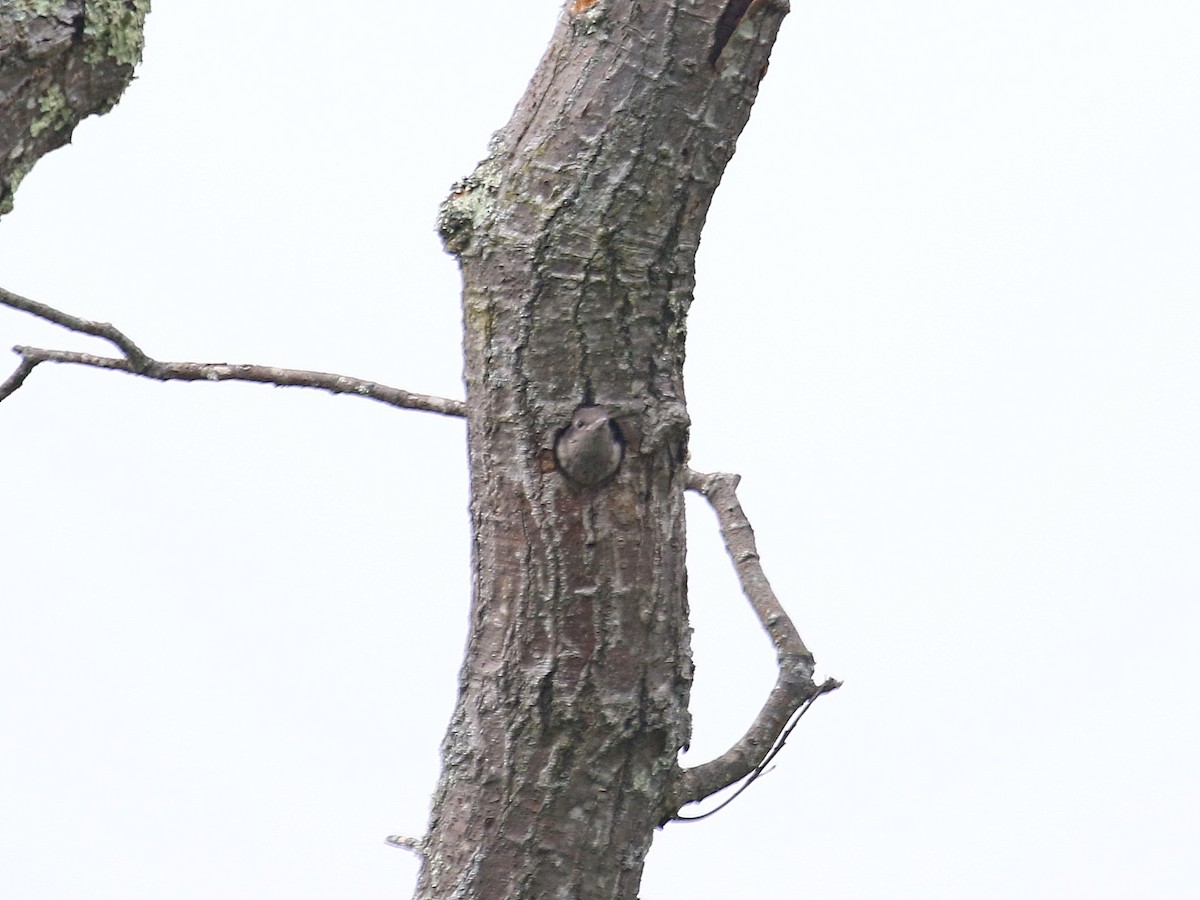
[577,238]
[60,61]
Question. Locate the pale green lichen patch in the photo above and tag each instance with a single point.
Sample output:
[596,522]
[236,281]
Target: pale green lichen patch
[56,112]
[114,28]
[14,180]
[469,203]
[20,10]
[590,18]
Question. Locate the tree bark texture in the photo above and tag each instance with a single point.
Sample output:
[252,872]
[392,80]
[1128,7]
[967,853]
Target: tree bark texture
[576,238]
[60,61]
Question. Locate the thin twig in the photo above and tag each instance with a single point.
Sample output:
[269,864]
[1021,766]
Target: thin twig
[136,362]
[17,378]
[794,688]
[761,769]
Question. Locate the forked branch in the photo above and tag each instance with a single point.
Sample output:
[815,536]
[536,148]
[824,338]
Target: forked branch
[134,361]
[794,688]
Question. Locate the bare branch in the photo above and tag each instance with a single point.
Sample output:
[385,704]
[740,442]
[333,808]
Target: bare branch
[136,362]
[794,688]
[132,352]
[17,378]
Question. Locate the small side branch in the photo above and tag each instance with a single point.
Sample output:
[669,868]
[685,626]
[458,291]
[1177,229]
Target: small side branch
[137,359]
[400,841]
[134,361]
[794,688]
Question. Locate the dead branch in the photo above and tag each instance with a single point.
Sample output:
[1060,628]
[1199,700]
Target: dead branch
[794,688]
[413,845]
[135,361]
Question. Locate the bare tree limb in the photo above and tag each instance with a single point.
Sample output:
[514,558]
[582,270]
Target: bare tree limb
[136,362]
[132,352]
[794,688]
[17,378]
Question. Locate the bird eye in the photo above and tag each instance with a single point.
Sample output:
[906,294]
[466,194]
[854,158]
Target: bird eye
[581,424]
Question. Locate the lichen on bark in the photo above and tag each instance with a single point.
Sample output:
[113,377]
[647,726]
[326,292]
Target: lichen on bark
[114,29]
[59,63]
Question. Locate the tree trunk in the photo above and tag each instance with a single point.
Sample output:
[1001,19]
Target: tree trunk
[577,238]
[59,63]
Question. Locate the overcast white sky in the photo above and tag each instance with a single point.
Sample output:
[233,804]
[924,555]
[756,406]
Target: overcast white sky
[946,327]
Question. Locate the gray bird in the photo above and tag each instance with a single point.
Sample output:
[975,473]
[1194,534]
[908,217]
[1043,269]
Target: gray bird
[589,449]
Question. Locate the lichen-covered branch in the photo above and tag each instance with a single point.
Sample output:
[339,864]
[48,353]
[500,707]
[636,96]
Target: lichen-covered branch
[60,61]
[136,362]
[794,686]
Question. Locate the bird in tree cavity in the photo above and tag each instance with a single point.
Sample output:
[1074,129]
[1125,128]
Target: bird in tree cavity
[589,449]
